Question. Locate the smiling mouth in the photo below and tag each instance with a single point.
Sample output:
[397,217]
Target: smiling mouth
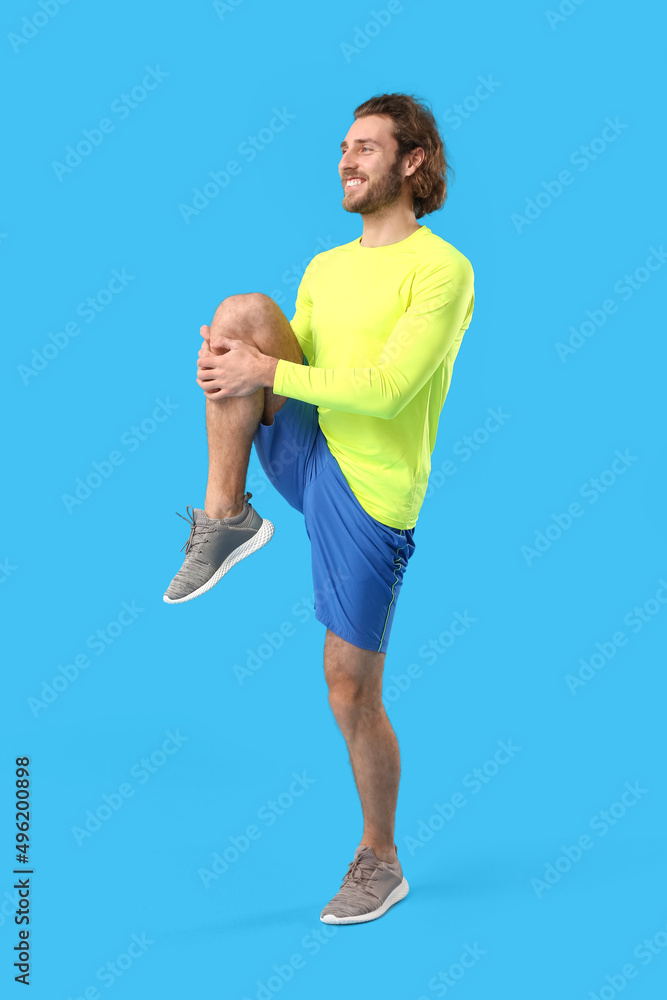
[354,182]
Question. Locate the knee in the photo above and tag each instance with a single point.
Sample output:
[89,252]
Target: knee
[353,698]
[249,306]
[247,301]
[242,316]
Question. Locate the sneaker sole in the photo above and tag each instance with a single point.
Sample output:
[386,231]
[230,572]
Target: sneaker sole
[260,538]
[394,897]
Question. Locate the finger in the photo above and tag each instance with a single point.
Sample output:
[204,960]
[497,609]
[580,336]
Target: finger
[222,341]
[209,377]
[205,332]
[209,385]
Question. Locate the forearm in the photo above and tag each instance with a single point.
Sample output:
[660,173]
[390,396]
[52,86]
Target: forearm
[377,391]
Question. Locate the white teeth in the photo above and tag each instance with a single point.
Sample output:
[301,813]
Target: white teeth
[354,182]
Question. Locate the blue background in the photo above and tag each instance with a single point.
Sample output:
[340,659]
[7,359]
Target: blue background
[68,569]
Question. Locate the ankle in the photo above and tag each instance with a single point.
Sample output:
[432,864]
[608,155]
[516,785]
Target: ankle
[385,853]
[219,509]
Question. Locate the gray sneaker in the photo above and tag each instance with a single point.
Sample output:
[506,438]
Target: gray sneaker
[214,546]
[370,887]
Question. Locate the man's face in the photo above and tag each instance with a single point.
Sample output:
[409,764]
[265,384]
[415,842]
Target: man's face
[369,160]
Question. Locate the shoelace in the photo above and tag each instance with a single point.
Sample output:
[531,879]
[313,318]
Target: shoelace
[194,527]
[359,873]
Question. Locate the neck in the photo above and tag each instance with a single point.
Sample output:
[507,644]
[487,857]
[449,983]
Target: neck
[380,230]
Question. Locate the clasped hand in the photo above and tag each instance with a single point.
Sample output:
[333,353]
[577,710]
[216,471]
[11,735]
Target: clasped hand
[240,371]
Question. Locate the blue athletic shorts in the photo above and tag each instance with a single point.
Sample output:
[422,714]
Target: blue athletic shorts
[357,562]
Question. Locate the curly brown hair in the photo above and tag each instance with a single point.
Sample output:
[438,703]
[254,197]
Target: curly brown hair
[414,126]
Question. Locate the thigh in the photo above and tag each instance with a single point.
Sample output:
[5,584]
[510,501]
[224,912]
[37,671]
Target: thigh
[358,563]
[285,449]
[272,401]
[350,667]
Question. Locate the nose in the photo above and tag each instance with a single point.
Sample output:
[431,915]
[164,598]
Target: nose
[347,162]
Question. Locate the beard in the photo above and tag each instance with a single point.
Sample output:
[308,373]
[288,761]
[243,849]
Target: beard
[377,195]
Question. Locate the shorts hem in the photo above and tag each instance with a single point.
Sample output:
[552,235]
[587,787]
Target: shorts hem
[350,636]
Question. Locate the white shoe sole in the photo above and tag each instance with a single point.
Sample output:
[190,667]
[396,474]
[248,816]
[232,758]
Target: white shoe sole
[262,536]
[394,897]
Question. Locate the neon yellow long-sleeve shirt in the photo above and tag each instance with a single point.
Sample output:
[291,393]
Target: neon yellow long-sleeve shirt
[381,328]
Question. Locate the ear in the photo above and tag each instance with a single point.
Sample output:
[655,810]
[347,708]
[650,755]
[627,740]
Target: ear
[417,157]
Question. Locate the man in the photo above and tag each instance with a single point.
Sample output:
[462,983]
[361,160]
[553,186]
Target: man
[343,406]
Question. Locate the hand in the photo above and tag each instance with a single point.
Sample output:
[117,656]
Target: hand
[239,371]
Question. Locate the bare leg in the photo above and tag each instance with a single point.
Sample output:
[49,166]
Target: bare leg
[231,422]
[354,677]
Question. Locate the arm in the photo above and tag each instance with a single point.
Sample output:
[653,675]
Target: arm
[237,368]
[442,301]
[300,322]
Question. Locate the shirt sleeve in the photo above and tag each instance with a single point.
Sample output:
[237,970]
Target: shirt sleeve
[300,322]
[439,311]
